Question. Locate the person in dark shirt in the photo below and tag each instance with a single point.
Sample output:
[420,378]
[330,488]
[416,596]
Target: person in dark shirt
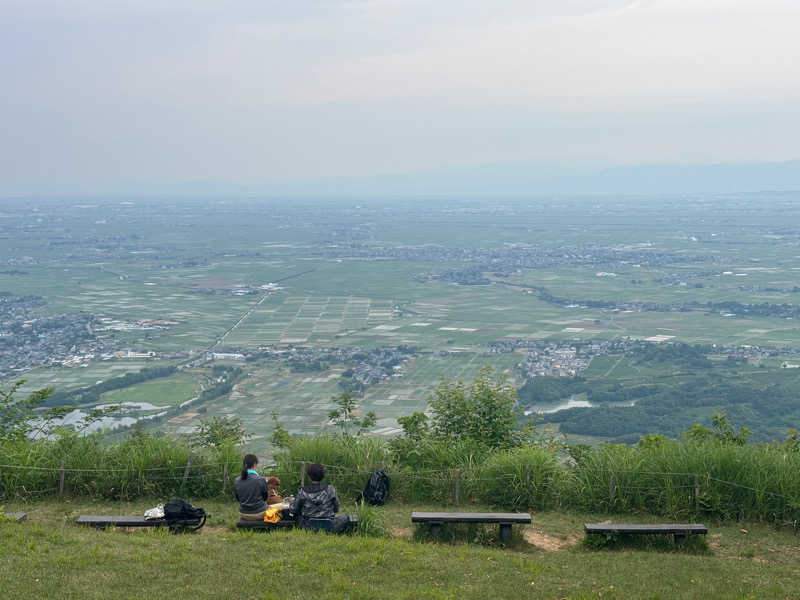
[251,490]
[318,501]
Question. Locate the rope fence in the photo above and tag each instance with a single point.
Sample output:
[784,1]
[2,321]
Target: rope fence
[521,487]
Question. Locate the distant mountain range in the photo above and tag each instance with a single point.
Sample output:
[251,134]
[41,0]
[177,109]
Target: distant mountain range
[507,179]
[528,180]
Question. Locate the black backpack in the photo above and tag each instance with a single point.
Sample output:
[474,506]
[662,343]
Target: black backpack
[179,514]
[377,490]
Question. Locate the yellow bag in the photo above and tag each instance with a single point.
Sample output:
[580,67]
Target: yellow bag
[273,515]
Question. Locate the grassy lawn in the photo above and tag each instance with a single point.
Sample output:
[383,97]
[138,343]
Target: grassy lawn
[48,556]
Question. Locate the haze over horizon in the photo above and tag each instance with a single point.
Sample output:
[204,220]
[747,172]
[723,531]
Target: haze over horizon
[407,96]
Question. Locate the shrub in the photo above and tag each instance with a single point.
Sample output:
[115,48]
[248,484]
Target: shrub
[370,521]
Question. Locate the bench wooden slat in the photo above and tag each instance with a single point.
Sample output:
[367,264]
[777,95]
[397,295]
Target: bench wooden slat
[450,517]
[119,521]
[282,524]
[263,525]
[654,529]
[103,521]
[19,517]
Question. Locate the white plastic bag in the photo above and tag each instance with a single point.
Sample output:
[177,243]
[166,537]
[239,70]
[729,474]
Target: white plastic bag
[156,512]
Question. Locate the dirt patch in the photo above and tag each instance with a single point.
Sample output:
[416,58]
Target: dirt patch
[548,543]
[402,532]
[714,541]
[208,530]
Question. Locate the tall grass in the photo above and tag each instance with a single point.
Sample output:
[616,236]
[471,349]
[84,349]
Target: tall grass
[684,480]
[520,478]
[679,480]
[143,465]
[708,479]
[348,461]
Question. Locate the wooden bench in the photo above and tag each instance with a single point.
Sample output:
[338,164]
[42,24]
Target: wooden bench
[679,531]
[101,522]
[313,524]
[505,520]
[18,517]
[264,525]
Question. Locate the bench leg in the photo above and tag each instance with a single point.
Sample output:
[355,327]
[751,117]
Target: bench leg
[436,529]
[505,533]
[679,538]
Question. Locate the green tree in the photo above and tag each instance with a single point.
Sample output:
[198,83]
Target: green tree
[792,441]
[721,430]
[280,437]
[346,415]
[415,427]
[218,432]
[20,419]
[483,411]
[17,417]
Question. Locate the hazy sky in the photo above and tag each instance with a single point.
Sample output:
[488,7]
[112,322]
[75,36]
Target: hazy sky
[97,94]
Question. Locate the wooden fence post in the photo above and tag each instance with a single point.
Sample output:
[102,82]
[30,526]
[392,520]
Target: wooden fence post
[612,488]
[458,487]
[186,470]
[61,479]
[224,476]
[696,491]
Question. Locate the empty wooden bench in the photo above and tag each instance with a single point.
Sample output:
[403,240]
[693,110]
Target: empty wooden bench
[679,531]
[18,517]
[504,520]
[101,522]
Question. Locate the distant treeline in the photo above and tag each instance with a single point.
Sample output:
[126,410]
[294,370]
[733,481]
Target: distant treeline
[690,390]
[91,394]
[679,354]
[228,375]
[762,309]
[550,390]
[769,404]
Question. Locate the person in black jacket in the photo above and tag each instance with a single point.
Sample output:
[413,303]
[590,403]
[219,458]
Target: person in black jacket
[318,501]
[251,490]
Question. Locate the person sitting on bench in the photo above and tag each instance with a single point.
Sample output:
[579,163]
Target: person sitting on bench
[318,501]
[251,490]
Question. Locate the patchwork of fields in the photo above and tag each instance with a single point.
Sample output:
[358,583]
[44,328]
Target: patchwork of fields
[172,282]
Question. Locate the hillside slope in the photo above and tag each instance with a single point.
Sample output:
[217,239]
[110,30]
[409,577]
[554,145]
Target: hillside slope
[48,556]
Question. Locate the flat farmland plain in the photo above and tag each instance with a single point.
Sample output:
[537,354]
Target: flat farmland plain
[180,279]
[301,401]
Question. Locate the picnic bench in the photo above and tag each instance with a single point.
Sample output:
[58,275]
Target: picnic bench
[313,524]
[18,517]
[101,522]
[505,520]
[679,531]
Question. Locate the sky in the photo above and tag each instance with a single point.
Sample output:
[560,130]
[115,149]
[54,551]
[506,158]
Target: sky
[108,95]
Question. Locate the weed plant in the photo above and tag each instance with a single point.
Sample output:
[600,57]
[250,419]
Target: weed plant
[370,521]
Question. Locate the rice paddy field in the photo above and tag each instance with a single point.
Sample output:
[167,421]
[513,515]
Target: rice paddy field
[182,279]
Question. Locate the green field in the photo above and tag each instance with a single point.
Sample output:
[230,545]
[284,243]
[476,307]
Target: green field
[166,391]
